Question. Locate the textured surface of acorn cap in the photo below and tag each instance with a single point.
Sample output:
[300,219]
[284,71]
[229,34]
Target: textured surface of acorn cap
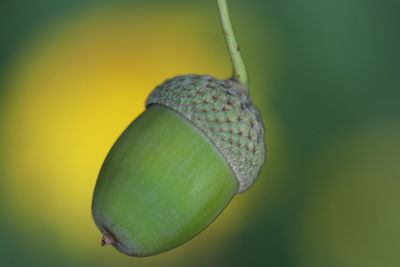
[224,112]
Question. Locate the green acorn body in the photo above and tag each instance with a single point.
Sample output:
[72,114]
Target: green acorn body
[199,142]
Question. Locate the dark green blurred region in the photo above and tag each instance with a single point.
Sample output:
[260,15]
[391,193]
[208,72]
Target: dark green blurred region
[339,70]
[335,74]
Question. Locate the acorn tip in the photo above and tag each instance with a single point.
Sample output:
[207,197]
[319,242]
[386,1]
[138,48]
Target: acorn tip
[107,239]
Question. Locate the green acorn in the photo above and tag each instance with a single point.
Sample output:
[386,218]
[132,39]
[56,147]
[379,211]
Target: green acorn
[176,167]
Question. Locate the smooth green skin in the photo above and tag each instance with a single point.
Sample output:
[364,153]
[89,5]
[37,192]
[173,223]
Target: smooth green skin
[161,184]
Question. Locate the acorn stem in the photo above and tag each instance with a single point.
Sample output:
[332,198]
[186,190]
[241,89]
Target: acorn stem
[239,68]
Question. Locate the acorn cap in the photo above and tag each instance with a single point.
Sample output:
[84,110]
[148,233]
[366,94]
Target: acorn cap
[224,112]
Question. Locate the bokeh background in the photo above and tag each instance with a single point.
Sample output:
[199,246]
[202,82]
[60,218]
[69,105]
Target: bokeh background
[325,75]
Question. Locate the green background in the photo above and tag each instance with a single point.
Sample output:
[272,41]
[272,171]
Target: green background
[325,75]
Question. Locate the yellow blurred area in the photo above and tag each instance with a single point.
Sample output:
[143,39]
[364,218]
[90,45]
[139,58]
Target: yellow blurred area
[72,92]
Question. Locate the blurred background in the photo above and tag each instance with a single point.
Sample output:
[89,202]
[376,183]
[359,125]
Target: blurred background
[325,75]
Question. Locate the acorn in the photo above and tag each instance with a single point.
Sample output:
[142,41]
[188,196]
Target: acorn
[175,168]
